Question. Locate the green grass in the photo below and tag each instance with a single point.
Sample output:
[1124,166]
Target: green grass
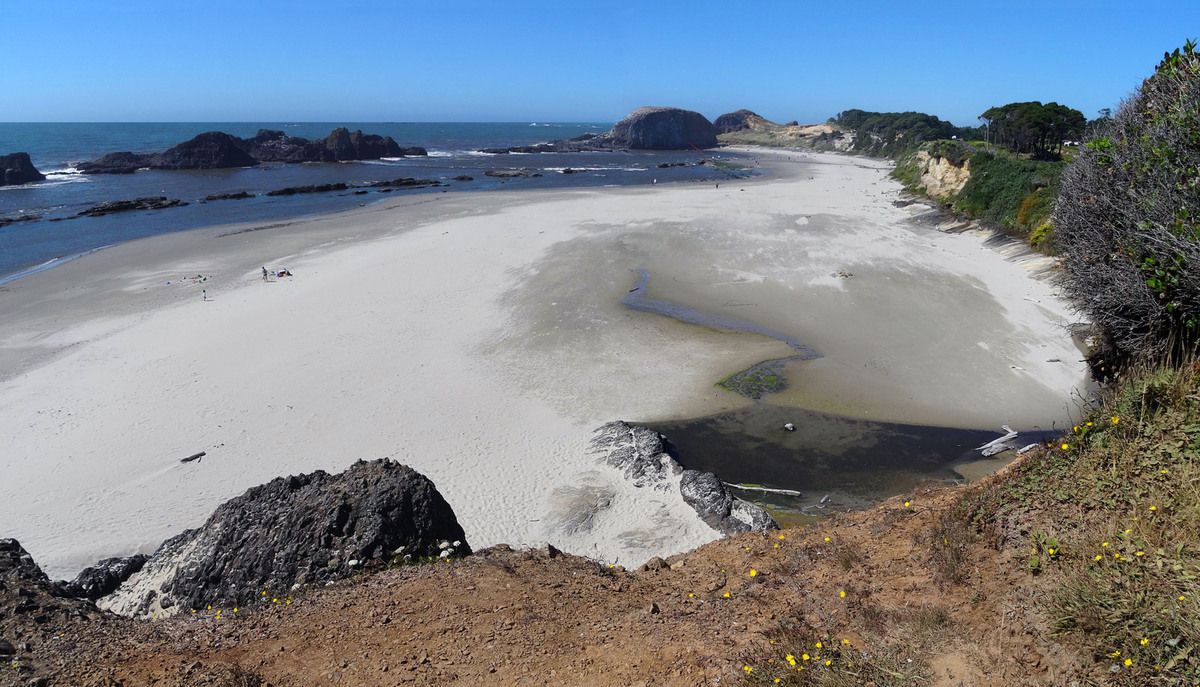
[1118,500]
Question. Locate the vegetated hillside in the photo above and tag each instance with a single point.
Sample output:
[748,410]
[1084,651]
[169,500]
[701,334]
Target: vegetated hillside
[892,134]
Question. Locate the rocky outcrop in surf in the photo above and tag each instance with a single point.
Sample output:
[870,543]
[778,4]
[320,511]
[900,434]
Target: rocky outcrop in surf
[298,530]
[643,456]
[216,149]
[17,168]
[661,128]
[103,578]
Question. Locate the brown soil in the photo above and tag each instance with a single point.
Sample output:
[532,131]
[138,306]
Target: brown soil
[503,617]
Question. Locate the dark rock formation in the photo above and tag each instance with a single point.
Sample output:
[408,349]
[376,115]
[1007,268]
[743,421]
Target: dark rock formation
[152,203]
[319,188]
[742,120]
[464,177]
[209,150]
[239,195]
[103,578]
[642,454]
[16,168]
[215,149]
[404,182]
[661,128]
[5,221]
[116,163]
[704,492]
[304,529]
[512,173]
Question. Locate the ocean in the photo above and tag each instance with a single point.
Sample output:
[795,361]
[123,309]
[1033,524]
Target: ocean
[59,235]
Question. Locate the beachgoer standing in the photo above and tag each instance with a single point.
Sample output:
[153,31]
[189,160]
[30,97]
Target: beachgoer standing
[264,273]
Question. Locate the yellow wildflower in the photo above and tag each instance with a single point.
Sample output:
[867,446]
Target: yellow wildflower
[1114,654]
[1182,597]
[1115,419]
[1098,557]
[803,657]
[777,680]
[691,595]
[827,540]
[818,645]
[1050,551]
[1066,447]
[1140,553]
[726,595]
[829,662]
[907,504]
[1104,544]
[1075,429]
[842,594]
[753,572]
[1128,662]
[790,659]
[781,537]
[776,545]
[1089,424]
[1145,641]
[1153,508]
[846,641]
[748,669]
[235,609]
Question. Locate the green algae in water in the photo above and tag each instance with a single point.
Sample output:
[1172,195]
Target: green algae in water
[757,380]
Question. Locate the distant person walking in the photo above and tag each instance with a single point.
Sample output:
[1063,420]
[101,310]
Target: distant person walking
[265,273]
[204,294]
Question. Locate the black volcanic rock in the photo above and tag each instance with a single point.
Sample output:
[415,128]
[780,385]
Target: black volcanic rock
[237,195]
[209,150]
[319,188]
[404,182]
[116,163]
[346,145]
[16,168]
[303,529]
[103,578]
[276,146]
[150,203]
[661,128]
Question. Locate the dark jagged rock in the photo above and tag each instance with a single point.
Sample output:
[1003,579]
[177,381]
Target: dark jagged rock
[665,165]
[643,456]
[512,173]
[464,177]
[17,168]
[239,195]
[709,496]
[216,149]
[5,221]
[404,182]
[742,120]
[17,566]
[103,578]
[661,128]
[319,188]
[209,150]
[303,529]
[116,163]
[152,203]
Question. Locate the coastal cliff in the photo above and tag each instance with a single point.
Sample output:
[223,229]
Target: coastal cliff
[942,177]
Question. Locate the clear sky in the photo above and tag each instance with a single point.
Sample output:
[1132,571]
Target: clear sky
[568,60]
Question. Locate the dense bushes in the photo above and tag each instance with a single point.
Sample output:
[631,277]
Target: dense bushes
[1014,193]
[891,134]
[1127,221]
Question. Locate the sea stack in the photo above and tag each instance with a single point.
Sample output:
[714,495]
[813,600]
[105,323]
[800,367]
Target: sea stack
[16,168]
[742,120]
[662,128]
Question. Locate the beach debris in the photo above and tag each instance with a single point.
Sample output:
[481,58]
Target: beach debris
[789,426]
[1000,445]
[1026,449]
[193,457]
[764,490]
[842,274]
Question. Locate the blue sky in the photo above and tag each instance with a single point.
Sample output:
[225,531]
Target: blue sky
[445,60]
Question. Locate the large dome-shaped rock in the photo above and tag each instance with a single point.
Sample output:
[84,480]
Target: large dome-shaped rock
[742,120]
[209,150]
[16,168]
[662,128]
[303,529]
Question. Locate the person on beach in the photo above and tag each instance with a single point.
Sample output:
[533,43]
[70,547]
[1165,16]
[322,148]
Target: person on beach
[265,273]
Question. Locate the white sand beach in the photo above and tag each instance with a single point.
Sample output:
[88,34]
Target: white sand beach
[480,338]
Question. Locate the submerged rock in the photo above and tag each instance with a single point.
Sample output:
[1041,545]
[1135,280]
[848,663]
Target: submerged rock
[319,188]
[644,457]
[512,173]
[239,195]
[17,168]
[404,182]
[103,578]
[303,529]
[116,163]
